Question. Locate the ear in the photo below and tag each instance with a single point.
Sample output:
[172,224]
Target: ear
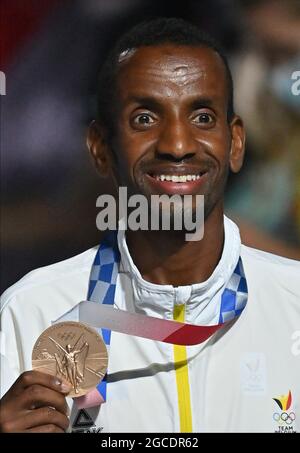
[98,148]
[237,144]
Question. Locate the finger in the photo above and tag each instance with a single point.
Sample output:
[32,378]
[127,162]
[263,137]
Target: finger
[45,416]
[45,429]
[30,378]
[16,405]
[37,396]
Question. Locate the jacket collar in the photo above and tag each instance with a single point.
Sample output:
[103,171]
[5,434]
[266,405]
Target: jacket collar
[202,300]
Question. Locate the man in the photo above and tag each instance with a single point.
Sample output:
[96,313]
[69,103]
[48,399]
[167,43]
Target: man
[166,125]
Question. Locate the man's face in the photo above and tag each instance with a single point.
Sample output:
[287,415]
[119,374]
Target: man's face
[171,130]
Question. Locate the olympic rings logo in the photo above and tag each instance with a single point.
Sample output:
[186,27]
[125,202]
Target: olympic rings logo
[286,418]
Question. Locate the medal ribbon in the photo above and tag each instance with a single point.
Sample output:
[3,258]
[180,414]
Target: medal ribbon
[102,287]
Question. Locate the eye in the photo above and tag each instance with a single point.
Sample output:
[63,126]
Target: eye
[143,119]
[204,119]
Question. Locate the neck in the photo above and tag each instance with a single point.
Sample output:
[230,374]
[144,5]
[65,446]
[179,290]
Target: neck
[166,258]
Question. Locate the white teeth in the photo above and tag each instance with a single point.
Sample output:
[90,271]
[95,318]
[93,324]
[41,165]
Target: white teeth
[177,178]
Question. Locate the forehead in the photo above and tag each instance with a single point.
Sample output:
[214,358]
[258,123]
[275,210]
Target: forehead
[173,70]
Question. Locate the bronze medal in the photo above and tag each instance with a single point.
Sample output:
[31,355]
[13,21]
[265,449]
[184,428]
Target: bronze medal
[74,352]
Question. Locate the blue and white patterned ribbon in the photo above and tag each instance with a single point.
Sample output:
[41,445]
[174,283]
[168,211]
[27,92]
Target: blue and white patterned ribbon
[103,279]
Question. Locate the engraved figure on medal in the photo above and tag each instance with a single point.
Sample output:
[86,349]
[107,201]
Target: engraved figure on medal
[70,362]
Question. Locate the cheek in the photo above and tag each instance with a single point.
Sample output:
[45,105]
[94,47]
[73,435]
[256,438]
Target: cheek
[130,154]
[125,148]
[217,145]
[133,146]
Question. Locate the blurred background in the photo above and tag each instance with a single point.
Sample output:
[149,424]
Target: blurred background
[51,52]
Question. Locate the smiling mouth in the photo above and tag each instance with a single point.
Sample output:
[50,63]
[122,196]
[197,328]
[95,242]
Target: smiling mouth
[177,181]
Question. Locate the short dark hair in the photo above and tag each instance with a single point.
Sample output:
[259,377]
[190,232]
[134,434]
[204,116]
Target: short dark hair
[152,33]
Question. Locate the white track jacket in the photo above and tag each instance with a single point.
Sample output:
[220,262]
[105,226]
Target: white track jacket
[245,378]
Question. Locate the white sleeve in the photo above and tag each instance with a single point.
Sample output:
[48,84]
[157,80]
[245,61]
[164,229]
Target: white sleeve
[7,376]
[10,358]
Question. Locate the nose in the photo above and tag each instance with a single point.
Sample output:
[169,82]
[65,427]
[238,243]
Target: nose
[176,141]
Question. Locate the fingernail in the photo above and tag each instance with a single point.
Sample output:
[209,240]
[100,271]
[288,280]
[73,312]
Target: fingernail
[65,387]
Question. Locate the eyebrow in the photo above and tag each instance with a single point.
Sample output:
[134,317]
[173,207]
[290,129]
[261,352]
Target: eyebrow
[146,101]
[154,104]
[201,102]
